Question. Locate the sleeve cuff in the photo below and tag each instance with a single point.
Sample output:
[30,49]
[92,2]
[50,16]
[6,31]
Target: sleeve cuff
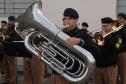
[81,42]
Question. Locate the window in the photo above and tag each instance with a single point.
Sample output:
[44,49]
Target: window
[13,7]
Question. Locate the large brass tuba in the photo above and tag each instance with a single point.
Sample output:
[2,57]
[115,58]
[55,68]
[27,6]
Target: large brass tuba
[42,36]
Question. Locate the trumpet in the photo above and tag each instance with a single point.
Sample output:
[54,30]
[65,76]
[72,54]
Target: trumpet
[101,38]
[3,34]
[114,29]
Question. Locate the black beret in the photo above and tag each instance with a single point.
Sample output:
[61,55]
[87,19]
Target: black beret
[122,15]
[11,18]
[85,24]
[107,20]
[70,12]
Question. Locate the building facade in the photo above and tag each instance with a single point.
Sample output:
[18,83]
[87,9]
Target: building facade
[13,7]
[90,11]
[121,6]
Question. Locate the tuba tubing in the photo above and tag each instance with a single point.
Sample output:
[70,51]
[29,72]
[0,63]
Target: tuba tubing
[41,36]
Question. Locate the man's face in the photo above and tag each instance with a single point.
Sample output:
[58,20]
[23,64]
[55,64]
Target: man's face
[84,27]
[11,23]
[121,20]
[107,27]
[67,21]
[3,25]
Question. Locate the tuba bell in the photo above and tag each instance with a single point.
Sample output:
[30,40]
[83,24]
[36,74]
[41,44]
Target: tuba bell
[42,36]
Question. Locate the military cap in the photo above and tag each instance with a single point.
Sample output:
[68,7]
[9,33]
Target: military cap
[72,13]
[11,18]
[107,20]
[122,15]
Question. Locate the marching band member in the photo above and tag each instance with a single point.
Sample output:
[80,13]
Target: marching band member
[70,17]
[33,67]
[14,47]
[33,70]
[106,70]
[3,32]
[10,52]
[122,52]
[85,28]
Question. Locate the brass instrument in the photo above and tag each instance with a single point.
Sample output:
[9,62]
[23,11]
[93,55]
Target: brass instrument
[115,29]
[102,37]
[3,34]
[98,37]
[41,36]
